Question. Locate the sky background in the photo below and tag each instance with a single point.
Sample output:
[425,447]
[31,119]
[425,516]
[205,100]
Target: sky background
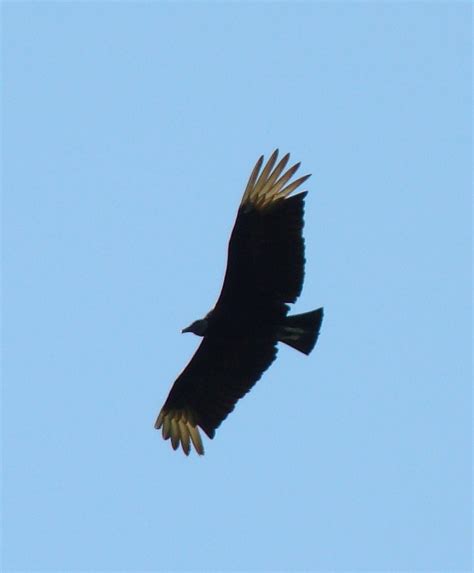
[129,132]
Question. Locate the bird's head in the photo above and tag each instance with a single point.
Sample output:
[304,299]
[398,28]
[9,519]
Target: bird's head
[198,327]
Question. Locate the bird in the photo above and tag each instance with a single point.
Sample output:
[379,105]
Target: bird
[264,274]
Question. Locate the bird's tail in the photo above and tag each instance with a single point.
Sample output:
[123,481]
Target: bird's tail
[301,330]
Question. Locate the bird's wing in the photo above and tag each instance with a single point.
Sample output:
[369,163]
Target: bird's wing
[221,371]
[266,248]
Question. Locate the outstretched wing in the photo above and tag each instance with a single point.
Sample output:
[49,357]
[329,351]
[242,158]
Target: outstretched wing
[266,249]
[221,371]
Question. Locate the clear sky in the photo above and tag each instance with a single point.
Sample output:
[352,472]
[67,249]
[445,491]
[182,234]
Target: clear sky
[129,131]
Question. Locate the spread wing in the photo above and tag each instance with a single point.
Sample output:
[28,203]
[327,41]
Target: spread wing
[266,249]
[265,270]
[219,374]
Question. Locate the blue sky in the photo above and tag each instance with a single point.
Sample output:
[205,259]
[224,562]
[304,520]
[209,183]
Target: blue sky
[129,131]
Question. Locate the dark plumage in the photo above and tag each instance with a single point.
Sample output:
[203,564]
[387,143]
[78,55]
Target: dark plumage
[265,271]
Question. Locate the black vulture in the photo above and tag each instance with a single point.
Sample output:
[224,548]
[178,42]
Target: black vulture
[265,271]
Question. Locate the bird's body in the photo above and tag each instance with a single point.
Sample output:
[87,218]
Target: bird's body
[265,271]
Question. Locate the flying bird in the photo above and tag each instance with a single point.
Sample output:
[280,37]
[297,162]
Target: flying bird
[265,271]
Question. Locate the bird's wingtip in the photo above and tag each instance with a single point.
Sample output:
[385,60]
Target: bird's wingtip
[180,427]
[271,184]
